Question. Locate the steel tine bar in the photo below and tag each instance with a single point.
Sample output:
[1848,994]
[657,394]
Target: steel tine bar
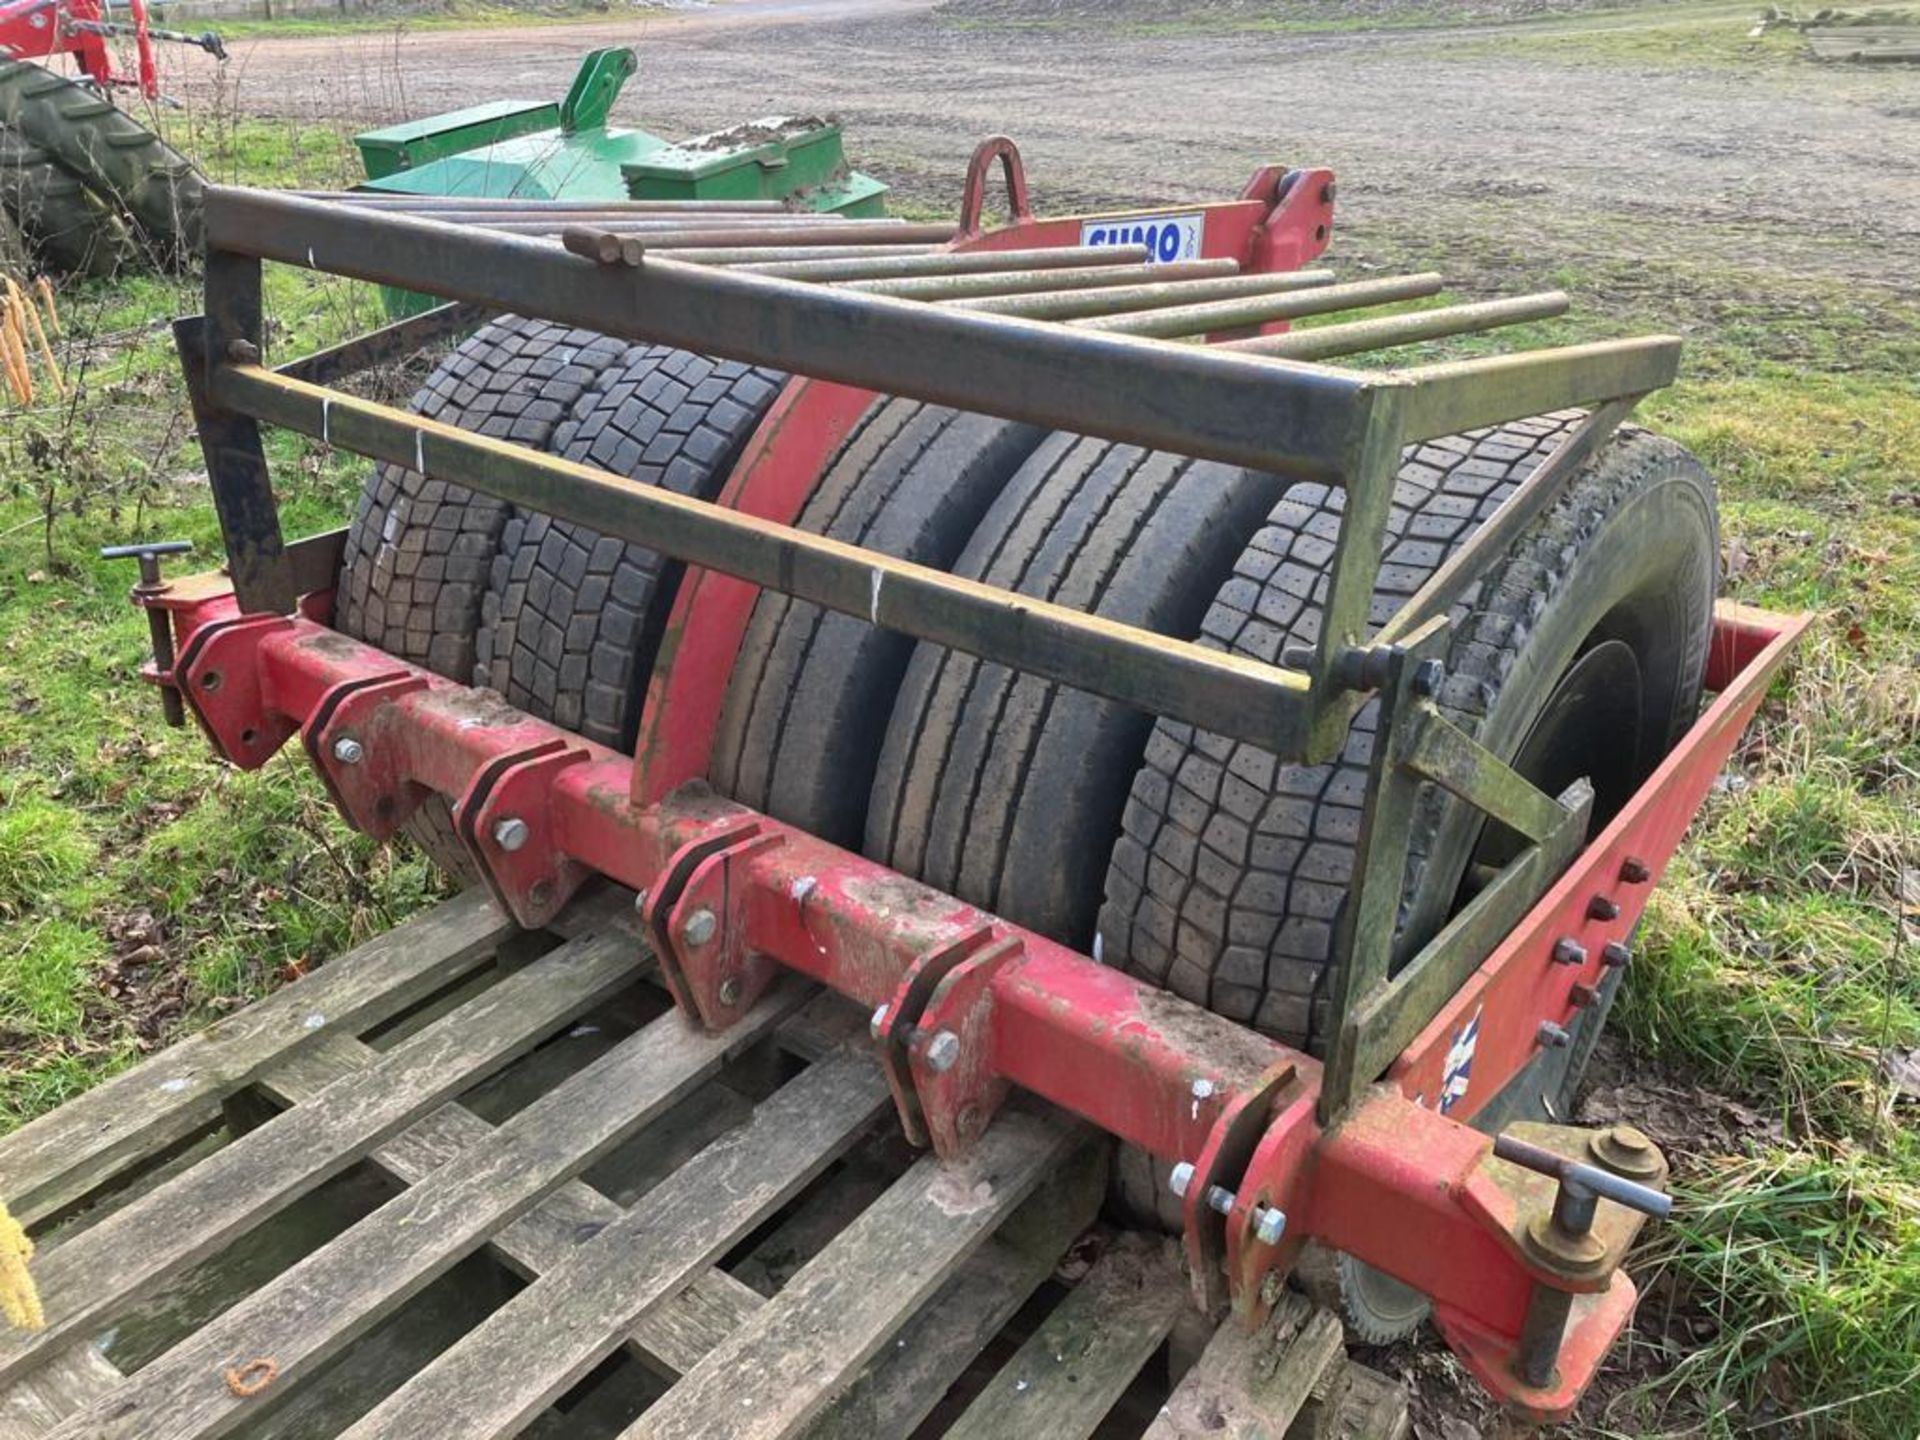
[1273,415]
[751,237]
[1139,299]
[949,263]
[1232,694]
[756,262]
[1460,395]
[1260,309]
[1531,497]
[1018,282]
[869,232]
[1352,338]
[539,204]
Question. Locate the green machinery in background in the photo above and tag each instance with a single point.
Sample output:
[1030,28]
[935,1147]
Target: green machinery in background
[537,150]
[532,150]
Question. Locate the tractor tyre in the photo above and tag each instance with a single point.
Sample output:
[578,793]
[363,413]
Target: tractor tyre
[1005,789]
[66,226]
[117,157]
[1581,652]
[810,697]
[572,619]
[13,246]
[420,551]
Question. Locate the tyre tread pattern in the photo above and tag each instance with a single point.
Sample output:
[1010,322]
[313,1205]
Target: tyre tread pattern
[570,619]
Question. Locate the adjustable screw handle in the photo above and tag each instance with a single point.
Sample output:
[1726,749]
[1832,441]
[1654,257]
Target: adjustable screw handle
[149,553]
[1580,1176]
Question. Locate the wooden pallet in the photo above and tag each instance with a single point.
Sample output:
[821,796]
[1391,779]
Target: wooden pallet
[466,1182]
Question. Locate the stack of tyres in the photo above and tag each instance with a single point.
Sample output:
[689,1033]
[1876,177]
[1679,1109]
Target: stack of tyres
[1204,865]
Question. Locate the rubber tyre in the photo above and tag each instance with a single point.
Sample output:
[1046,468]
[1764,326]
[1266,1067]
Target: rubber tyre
[1000,787]
[67,228]
[419,551]
[1233,867]
[117,157]
[571,619]
[808,705]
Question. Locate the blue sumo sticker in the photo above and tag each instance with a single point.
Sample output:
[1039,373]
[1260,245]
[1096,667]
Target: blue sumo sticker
[1457,1074]
[1167,237]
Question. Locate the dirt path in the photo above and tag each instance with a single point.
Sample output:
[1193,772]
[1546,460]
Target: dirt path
[1804,171]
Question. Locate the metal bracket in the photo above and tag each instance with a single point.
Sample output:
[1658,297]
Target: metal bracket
[506,823]
[951,1052]
[896,1025]
[697,917]
[223,684]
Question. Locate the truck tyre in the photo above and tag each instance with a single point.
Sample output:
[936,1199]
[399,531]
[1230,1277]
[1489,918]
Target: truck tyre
[571,619]
[808,704]
[1005,789]
[1581,652]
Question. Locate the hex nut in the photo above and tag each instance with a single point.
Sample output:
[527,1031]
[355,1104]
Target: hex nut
[1271,1225]
[1428,676]
[942,1052]
[878,1022]
[1568,951]
[1552,1036]
[700,927]
[511,833]
[349,751]
[1179,1178]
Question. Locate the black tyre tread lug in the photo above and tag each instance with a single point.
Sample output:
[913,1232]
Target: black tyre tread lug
[1187,771]
[571,620]
[61,220]
[117,157]
[974,752]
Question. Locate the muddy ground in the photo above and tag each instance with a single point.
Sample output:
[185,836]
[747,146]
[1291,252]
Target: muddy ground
[1464,131]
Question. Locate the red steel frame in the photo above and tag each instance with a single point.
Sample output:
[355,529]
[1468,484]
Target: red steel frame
[730,897]
[1029,1012]
[35,29]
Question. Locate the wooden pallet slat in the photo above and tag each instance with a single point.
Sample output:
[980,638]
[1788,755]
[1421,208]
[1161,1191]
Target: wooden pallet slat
[58,1158]
[89,1280]
[783,1367]
[539,1344]
[1067,1376]
[673,1337]
[1251,1385]
[315,1308]
[904,1383]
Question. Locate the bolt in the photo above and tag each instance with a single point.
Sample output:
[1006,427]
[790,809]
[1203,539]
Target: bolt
[941,1052]
[1602,907]
[1568,951]
[1552,1036]
[511,833]
[730,991]
[1270,1226]
[349,751]
[1427,676]
[640,902]
[699,927]
[243,352]
[1297,657]
[1203,1089]
[1634,870]
[1219,1199]
[1180,1178]
[1630,1140]
[879,1021]
[1582,996]
[1616,954]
